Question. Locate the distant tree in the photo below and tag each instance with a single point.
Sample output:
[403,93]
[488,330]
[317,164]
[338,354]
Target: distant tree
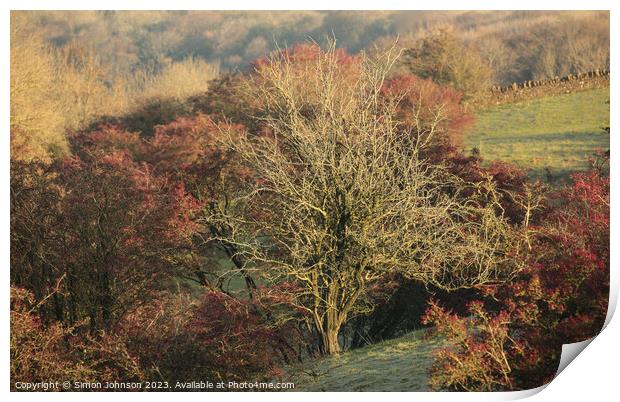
[342,196]
[83,86]
[448,61]
[37,119]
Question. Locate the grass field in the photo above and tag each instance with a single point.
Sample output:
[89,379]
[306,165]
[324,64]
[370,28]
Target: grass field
[557,133]
[399,364]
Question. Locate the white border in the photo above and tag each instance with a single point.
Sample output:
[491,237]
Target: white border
[593,375]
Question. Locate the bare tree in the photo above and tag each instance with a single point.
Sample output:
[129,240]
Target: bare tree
[342,196]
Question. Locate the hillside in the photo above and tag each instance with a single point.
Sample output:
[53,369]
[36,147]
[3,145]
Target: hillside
[511,40]
[557,133]
[399,364]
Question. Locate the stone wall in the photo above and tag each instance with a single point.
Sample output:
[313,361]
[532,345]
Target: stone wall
[533,89]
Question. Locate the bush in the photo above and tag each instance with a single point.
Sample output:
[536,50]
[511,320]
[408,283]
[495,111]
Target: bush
[433,111]
[102,221]
[479,352]
[513,336]
[52,352]
[217,336]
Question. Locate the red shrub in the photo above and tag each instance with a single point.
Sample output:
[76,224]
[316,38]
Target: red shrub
[106,223]
[217,336]
[430,108]
[43,353]
[561,297]
[479,352]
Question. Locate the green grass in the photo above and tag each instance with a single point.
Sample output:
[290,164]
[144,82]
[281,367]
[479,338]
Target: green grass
[399,364]
[558,133]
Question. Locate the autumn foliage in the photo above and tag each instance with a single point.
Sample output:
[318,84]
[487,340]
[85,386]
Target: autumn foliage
[123,251]
[430,105]
[511,337]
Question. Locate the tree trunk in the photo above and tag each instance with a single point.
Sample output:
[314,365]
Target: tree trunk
[329,342]
[328,330]
[328,324]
